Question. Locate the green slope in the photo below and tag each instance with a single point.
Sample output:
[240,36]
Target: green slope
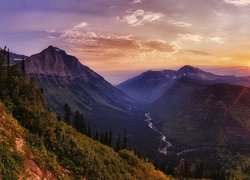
[34,143]
[199,114]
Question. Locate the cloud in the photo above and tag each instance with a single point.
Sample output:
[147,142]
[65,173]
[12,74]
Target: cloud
[190,37]
[201,53]
[238,2]
[217,39]
[80,25]
[137,1]
[141,17]
[181,24]
[50,31]
[157,45]
[226,58]
[110,46]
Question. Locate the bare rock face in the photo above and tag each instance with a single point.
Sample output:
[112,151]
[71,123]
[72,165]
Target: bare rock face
[55,62]
[65,80]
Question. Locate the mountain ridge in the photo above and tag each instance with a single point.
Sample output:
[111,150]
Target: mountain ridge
[104,106]
[146,82]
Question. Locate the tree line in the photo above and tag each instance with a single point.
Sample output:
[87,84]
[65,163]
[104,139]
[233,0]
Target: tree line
[77,120]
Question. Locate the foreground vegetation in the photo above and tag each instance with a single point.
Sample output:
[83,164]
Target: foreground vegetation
[33,143]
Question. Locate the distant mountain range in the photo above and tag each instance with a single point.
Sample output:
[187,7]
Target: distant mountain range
[191,106]
[150,85]
[185,113]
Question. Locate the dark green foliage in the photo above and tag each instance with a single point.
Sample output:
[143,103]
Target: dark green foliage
[11,163]
[110,138]
[23,66]
[56,142]
[125,139]
[67,113]
[88,133]
[96,136]
[118,146]
[80,123]
[8,58]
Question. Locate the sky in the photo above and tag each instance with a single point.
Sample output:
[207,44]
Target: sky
[121,38]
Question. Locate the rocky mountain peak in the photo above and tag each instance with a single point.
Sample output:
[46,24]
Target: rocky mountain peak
[188,69]
[55,62]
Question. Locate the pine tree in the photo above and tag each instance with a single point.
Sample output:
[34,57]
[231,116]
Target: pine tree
[110,138]
[89,134]
[23,66]
[83,127]
[102,138]
[106,138]
[67,113]
[8,58]
[125,139]
[77,121]
[97,136]
[183,168]
[118,143]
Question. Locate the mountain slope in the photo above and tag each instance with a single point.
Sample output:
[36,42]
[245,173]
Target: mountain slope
[40,146]
[198,114]
[20,159]
[150,85]
[65,80]
[54,65]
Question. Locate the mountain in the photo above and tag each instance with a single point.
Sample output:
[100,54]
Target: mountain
[150,85]
[53,64]
[14,58]
[196,114]
[25,155]
[34,144]
[65,80]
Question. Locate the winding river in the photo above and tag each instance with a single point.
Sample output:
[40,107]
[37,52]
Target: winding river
[164,144]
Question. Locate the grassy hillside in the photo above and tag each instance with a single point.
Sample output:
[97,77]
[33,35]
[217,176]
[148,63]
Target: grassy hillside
[34,143]
[65,154]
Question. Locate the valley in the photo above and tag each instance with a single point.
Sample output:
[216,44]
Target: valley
[193,113]
[124,90]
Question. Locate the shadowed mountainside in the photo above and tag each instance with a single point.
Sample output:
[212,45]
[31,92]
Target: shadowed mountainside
[150,85]
[193,113]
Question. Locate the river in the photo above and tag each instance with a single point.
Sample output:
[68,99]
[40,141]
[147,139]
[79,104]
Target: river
[164,144]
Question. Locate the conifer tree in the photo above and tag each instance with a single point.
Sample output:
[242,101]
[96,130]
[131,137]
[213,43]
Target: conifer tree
[125,139]
[23,66]
[102,138]
[83,126]
[89,134]
[8,58]
[77,121]
[97,136]
[110,138]
[106,138]
[67,113]
[118,143]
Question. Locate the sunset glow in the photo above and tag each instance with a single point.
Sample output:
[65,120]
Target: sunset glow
[123,37]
